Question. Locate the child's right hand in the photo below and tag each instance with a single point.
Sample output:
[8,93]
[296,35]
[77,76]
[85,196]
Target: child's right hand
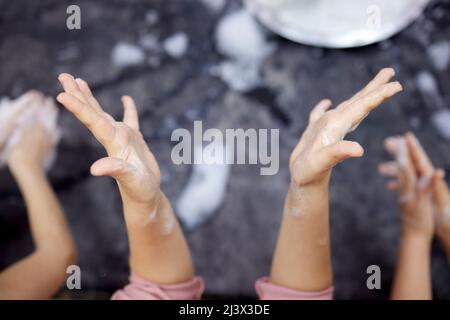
[322,145]
[129,159]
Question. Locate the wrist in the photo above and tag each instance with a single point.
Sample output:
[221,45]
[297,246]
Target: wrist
[416,236]
[25,167]
[320,184]
[150,206]
[308,196]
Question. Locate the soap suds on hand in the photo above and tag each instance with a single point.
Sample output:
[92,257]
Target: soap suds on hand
[125,55]
[22,113]
[176,45]
[205,190]
[169,223]
[295,211]
[244,43]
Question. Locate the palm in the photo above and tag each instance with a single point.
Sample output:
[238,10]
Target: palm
[319,134]
[322,146]
[129,159]
[129,146]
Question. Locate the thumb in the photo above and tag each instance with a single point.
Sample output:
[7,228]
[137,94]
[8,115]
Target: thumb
[333,154]
[113,167]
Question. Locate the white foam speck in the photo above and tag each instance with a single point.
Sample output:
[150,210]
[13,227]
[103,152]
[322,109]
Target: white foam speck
[244,43]
[126,54]
[439,54]
[426,82]
[152,17]
[150,42]
[239,75]
[441,121]
[176,45]
[214,5]
[240,37]
[204,192]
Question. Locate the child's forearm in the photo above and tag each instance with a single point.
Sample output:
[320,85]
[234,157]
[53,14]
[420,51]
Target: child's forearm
[158,250]
[413,275]
[41,274]
[302,258]
[49,228]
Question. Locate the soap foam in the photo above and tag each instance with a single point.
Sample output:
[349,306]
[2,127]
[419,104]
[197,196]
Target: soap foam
[24,112]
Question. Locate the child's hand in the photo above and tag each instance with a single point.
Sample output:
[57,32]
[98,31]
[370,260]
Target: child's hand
[32,132]
[441,196]
[440,191]
[413,173]
[32,150]
[322,145]
[129,159]
[11,111]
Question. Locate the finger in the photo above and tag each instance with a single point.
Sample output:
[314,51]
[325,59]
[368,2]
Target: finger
[29,97]
[84,88]
[389,169]
[391,145]
[319,110]
[32,99]
[383,77]
[424,182]
[50,112]
[100,127]
[70,86]
[392,185]
[338,152]
[113,167]
[441,194]
[406,174]
[130,116]
[419,157]
[396,146]
[360,108]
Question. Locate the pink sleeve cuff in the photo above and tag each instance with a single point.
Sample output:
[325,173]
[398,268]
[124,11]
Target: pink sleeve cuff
[140,289]
[266,290]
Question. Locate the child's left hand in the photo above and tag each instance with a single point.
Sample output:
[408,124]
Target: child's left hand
[32,149]
[129,159]
[322,145]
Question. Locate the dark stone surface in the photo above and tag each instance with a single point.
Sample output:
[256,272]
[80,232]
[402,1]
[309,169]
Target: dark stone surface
[235,247]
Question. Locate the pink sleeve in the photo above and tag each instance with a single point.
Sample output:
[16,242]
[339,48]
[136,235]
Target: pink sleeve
[266,290]
[140,289]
